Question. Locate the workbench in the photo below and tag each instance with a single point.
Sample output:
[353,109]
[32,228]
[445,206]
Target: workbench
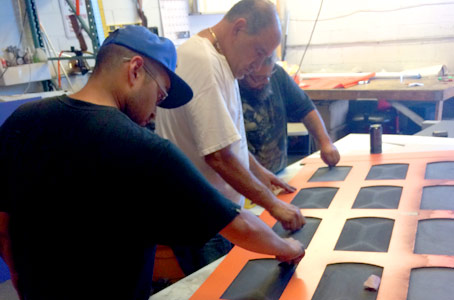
[394,91]
[443,128]
[349,146]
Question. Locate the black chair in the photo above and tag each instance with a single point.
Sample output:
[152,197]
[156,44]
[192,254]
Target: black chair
[362,114]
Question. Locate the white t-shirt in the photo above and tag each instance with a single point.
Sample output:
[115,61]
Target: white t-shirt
[213,119]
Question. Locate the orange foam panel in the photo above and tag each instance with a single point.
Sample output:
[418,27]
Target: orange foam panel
[397,262]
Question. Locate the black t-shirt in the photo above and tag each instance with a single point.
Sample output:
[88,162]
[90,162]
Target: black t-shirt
[89,191]
[266,120]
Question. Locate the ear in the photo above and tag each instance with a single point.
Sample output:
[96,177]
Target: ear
[134,66]
[239,25]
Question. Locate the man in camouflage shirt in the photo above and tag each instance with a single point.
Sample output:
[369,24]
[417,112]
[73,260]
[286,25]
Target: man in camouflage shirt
[270,99]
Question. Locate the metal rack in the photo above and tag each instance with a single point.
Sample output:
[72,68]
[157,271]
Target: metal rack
[36,34]
[91,27]
[37,37]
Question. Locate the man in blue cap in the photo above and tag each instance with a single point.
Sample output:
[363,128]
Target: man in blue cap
[89,191]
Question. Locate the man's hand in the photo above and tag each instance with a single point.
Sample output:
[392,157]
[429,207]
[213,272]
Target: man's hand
[273,182]
[295,252]
[329,154]
[288,214]
[251,233]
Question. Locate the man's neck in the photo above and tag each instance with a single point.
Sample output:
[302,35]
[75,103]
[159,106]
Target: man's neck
[95,92]
[215,35]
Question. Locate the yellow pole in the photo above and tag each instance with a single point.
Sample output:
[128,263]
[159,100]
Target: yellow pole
[103,18]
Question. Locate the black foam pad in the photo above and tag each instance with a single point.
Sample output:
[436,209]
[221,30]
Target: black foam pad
[366,234]
[438,197]
[435,237]
[378,197]
[319,197]
[330,174]
[440,170]
[431,283]
[388,171]
[304,235]
[260,279]
[345,281]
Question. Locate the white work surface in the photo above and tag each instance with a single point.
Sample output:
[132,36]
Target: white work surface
[352,144]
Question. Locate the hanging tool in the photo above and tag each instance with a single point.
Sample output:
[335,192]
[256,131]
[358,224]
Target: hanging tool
[78,32]
[141,13]
[79,64]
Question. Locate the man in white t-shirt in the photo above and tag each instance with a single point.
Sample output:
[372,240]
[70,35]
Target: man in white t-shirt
[210,128]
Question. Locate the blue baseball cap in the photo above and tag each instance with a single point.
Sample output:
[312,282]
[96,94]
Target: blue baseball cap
[160,49]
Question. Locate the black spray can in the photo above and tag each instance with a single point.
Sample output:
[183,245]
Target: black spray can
[375,132]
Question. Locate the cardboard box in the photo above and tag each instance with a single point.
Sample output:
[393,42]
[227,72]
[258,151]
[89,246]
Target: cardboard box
[338,132]
[334,113]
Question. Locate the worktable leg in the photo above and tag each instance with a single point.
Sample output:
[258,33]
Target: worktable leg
[439,110]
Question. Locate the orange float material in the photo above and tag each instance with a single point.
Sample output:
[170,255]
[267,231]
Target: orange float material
[400,258]
[333,82]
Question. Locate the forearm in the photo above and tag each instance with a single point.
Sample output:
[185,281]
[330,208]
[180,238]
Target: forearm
[227,165]
[254,166]
[259,171]
[260,237]
[316,128]
[270,180]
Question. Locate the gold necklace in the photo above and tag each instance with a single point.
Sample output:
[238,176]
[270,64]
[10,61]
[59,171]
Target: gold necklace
[216,42]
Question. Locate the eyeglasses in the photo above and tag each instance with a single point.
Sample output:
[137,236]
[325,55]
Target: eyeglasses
[163,93]
[261,78]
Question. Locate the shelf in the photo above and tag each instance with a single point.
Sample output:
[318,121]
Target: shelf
[25,74]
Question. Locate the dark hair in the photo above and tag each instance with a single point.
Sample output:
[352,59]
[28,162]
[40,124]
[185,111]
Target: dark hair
[259,14]
[110,56]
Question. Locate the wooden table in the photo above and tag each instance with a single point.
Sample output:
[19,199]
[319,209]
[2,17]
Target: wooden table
[439,128]
[394,91]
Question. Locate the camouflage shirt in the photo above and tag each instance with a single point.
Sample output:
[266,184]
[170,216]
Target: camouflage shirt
[266,119]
